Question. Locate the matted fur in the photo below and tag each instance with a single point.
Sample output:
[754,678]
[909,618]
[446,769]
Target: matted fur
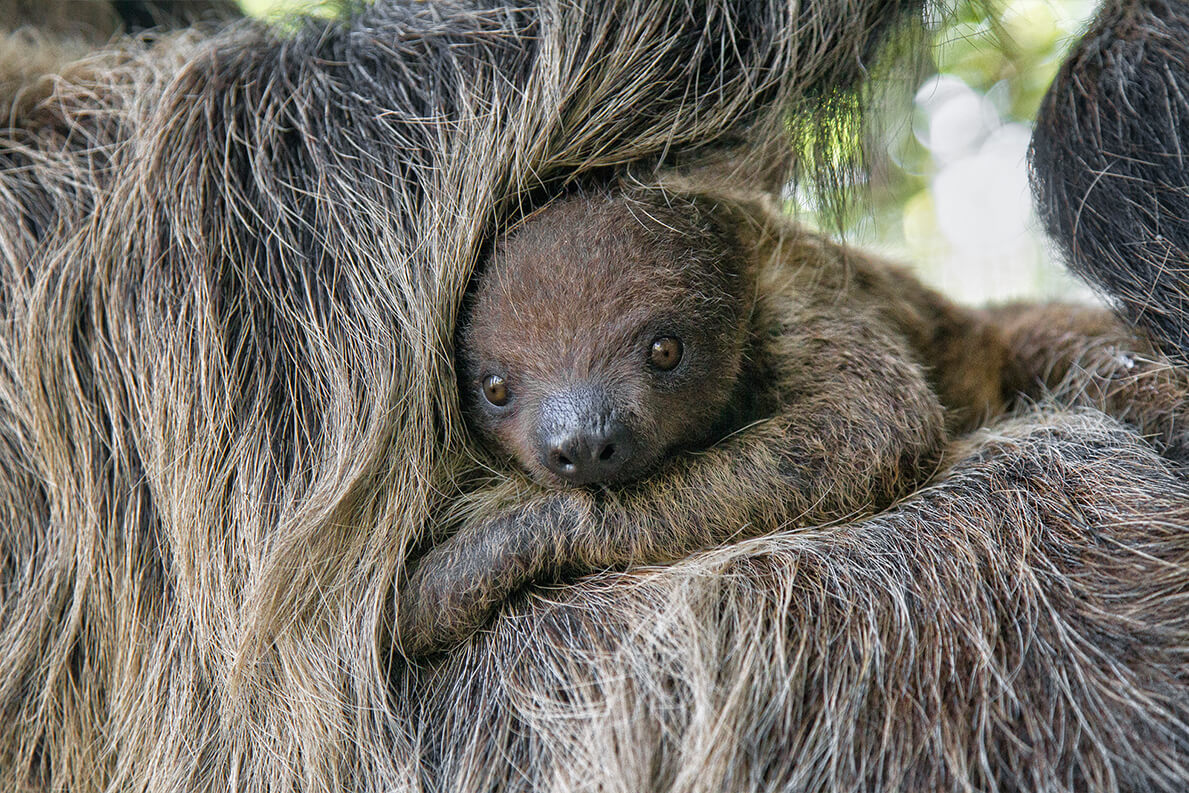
[230,267]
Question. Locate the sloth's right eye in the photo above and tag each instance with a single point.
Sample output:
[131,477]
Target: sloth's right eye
[495,390]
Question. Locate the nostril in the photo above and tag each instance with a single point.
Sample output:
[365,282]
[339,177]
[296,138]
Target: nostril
[586,452]
[560,459]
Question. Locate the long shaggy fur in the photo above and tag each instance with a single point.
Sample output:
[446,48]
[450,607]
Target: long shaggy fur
[230,267]
[229,271]
[40,38]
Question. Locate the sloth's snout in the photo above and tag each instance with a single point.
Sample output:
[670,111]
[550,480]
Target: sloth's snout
[580,438]
[591,454]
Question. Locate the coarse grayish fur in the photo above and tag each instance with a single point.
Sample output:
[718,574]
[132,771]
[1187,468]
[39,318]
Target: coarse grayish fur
[1018,626]
[38,38]
[230,266]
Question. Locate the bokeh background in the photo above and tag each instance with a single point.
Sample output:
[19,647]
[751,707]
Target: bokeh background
[945,185]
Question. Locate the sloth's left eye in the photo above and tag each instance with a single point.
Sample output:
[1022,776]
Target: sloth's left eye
[665,353]
[495,390]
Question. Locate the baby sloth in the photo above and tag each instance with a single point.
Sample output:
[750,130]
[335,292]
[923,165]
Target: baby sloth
[605,335]
[611,332]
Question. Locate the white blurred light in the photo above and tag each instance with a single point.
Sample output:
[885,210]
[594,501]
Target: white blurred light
[982,201]
[959,118]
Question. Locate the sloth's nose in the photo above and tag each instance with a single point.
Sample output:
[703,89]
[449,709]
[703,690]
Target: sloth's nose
[590,453]
[580,439]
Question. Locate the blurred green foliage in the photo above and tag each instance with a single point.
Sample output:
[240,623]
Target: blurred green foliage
[944,183]
[1007,52]
[277,8]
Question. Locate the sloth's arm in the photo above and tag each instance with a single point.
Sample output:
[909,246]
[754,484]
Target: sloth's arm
[1084,356]
[859,427]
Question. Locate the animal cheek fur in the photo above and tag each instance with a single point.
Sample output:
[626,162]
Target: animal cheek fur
[518,435]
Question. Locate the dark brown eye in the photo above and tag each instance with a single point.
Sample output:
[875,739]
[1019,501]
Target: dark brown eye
[496,390]
[666,353]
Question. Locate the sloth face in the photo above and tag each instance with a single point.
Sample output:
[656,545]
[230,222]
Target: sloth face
[600,339]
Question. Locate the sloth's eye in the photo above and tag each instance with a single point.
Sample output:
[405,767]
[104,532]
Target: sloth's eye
[495,390]
[665,353]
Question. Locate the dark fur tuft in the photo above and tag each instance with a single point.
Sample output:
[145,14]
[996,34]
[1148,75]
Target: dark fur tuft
[1110,161]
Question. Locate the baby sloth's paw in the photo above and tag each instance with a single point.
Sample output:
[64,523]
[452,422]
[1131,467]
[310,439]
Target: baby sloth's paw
[454,589]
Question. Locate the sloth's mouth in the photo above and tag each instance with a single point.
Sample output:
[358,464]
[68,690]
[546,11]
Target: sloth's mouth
[638,469]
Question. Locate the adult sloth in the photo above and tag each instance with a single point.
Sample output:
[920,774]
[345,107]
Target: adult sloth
[230,266]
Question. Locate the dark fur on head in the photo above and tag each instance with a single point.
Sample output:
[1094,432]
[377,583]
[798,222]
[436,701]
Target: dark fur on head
[1110,164]
[566,312]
